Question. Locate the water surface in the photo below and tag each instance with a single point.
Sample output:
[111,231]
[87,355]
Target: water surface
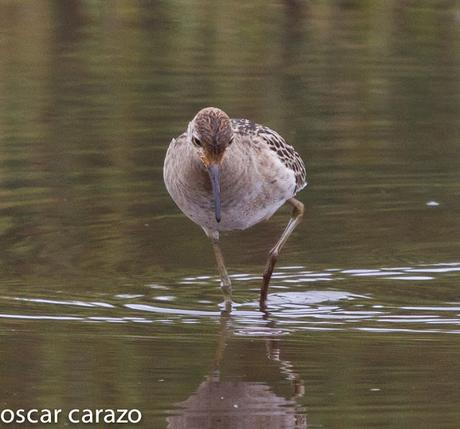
[109,296]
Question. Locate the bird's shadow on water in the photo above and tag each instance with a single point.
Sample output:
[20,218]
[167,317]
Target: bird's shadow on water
[238,398]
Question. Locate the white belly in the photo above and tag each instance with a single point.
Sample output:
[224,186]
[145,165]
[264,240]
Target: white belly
[253,188]
[236,215]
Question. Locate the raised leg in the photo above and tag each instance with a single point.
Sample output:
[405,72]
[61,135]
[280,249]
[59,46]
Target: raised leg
[296,217]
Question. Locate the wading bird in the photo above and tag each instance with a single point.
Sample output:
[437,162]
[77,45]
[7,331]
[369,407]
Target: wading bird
[228,174]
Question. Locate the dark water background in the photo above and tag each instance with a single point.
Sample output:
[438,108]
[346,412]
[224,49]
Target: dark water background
[109,296]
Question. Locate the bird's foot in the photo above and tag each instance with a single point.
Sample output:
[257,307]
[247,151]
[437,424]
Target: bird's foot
[226,288]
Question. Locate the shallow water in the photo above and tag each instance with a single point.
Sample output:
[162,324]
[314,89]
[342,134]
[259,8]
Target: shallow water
[109,296]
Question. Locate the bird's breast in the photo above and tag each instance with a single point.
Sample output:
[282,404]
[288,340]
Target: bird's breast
[254,184]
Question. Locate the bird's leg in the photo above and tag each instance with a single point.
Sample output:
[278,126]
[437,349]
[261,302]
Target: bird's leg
[225,284]
[225,279]
[296,217]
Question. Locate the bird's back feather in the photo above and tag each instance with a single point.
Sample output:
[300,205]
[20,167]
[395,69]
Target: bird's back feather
[286,153]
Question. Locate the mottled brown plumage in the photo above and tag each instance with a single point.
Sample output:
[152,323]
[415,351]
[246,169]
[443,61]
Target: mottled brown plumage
[213,127]
[286,153]
[228,174]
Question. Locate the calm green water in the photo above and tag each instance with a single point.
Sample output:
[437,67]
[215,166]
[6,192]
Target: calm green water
[109,296]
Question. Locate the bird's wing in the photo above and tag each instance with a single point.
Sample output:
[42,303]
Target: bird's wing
[181,139]
[286,153]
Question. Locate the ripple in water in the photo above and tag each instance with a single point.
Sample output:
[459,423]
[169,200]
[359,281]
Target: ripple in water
[300,300]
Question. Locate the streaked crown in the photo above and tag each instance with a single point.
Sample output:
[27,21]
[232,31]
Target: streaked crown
[211,131]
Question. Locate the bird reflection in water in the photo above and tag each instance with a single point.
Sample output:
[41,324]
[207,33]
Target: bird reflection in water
[234,402]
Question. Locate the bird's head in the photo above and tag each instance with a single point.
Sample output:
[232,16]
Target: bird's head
[211,133]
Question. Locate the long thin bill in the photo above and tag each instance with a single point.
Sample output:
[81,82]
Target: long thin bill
[214,174]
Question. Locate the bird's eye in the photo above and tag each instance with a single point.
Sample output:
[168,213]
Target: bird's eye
[231,140]
[196,141]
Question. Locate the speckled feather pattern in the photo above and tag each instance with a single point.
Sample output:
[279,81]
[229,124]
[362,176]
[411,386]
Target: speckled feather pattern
[286,153]
[259,173]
